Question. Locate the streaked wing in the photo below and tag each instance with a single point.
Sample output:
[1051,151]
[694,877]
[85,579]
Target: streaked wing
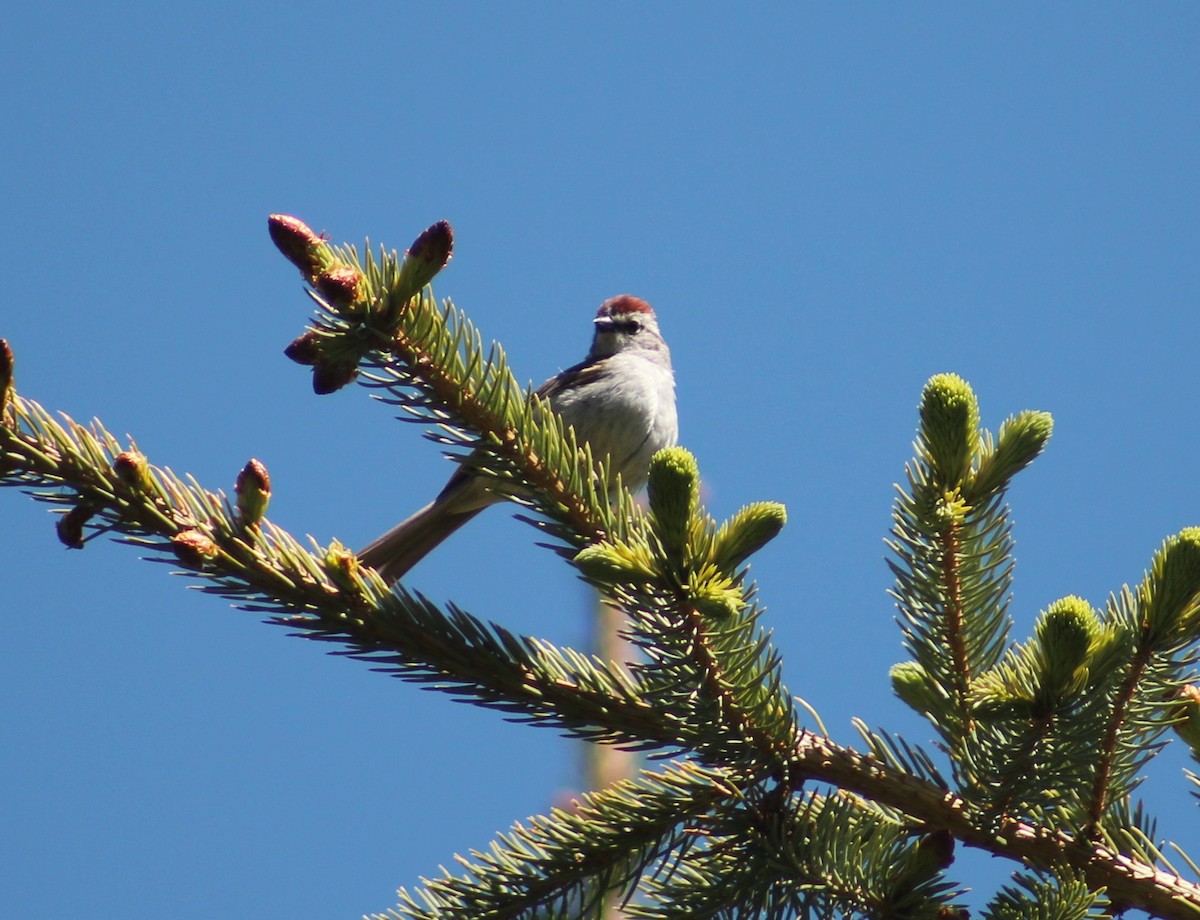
[579,374]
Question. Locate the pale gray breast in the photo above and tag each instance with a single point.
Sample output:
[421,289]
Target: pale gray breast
[627,415]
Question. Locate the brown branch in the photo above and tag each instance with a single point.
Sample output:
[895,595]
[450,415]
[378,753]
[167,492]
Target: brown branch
[717,689]
[961,673]
[270,568]
[1129,883]
[1098,801]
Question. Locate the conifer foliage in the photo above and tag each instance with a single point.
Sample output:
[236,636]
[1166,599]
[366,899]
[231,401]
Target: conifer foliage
[749,807]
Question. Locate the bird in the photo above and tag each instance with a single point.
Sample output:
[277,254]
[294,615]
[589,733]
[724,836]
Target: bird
[620,399]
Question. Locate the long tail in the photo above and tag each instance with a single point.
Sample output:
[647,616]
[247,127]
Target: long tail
[406,544]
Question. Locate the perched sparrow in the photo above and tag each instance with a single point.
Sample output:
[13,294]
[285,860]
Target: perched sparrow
[620,399]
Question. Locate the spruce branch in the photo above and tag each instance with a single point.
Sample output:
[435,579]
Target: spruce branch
[693,615]
[564,863]
[1047,738]
[821,856]
[954,616]
[320,592]
[1160,621]
[1036,716]
[1065,896]
[1129,882]
[952,552]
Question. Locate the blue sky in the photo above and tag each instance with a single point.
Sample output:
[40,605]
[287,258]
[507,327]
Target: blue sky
[827,204]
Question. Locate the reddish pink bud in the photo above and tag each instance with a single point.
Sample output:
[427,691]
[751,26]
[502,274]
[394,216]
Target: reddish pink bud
[193,548]
[340,286]
[937,847]
[426,257]
[299,245]
[132,469]
[70,526]
[6,376]
[6,365]
[434,246]
[253,488]
[329,377]
[305,349]
[341,564]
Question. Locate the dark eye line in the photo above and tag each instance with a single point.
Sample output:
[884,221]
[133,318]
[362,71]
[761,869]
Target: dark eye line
[631,326]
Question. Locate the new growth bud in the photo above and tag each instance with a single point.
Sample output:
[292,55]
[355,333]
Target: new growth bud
[912,683]
[306,250]
[341,565]
[132,470]
[305,349]
[673,489]
[1065,634]
[253,489]
[1021,439]
[329,376]
[717,599]
[427,256]
[936,849]
[6,379]
[748,531]
[341,287]
[1169,591]
[949,427]
[1187,724]
[434,246]
[70,526]
[614,564]
[193,548]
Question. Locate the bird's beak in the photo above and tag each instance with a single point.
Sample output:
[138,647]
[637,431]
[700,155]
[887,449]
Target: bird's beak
[603,323]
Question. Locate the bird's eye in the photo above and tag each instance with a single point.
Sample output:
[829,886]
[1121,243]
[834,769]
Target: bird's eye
[632,326]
